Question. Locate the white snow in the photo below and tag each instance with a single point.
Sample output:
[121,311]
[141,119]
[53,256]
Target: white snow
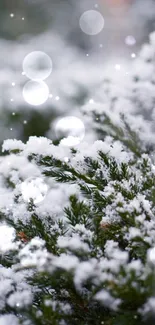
[107,300]
[9,320]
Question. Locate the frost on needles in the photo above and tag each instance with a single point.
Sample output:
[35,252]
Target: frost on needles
[86,254]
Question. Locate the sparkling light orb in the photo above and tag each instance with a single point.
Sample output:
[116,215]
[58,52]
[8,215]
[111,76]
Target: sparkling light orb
[130,40]
[37,65]
[35,92]
[117,67]
[71,129]
[34,188]
[91,101]
[133,55]
[66,159]
[91,22]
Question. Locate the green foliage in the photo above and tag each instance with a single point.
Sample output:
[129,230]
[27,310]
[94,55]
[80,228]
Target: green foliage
[114,196]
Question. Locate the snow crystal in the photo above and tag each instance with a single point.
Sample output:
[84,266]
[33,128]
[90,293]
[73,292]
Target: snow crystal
[149,307]
[9,319]
[34,254]
[34,188]
[141,218]
[112,251]
[147,52]
[37,145]
[134,232]
[109,264]
[11,144]
[64,307]
[151,255]
[7,235]
[44,146]
[19,163]
[84,271]
[20,299]
[73,243]
[143,70]
[5,288]
[136,266]
[66,262]
[107,300]
[85,233]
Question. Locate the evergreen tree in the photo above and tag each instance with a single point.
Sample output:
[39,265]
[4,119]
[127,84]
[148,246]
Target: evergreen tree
[86,253]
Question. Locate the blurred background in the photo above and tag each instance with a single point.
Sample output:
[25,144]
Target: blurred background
[79,59]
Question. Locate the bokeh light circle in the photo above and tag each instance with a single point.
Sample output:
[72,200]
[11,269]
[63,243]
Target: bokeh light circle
[91,22]
[71,130]
[34,188]
[35,92]
[130,40]
[37,65]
